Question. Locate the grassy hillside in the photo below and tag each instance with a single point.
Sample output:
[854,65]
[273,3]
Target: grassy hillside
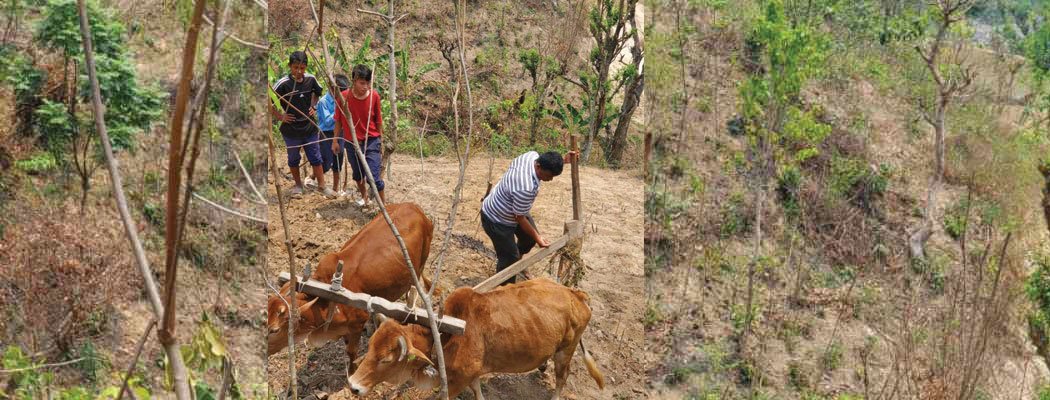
[840,310]
[70,288]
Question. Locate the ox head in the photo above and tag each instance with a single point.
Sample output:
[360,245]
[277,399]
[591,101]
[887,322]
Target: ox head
[392,358]
[277,320]
[277,308]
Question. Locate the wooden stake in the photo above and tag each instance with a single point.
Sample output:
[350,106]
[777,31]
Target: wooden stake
[576,206]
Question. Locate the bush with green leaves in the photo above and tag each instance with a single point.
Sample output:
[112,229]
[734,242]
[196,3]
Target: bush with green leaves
[831,359]
[781,134]
[18,72]
[130,107]
[789,181]
[30,381]
[37,163]
[858,181]
[1037,288]
[736,216]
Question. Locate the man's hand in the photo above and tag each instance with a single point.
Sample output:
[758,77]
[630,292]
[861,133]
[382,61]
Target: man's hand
[543,243]
[570,156]
[335,146]
[287,117]
[313,111]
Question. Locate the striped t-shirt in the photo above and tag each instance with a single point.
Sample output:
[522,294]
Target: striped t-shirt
[515,192]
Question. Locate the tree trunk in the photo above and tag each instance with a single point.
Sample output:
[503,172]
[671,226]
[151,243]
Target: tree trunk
[917,241]
[85,185]
[619,139]
[389,145]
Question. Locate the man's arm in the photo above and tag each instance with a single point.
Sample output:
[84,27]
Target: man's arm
[378,113]
[280,115]
[531,230]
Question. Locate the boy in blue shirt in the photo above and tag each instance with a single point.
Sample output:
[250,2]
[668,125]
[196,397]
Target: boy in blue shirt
[326,120]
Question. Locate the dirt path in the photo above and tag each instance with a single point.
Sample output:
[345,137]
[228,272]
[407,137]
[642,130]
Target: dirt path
[613,248]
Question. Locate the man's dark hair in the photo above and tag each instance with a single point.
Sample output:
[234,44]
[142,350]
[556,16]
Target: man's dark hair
[551,162]
[297,57]
[362,72]
[342,81]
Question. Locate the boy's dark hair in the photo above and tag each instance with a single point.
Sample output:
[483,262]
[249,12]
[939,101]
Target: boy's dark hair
[297,57]
[342,81]
[362,72]
[551,162]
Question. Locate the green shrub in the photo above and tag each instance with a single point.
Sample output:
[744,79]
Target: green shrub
[153,213]
[980,212]
[832,357]
[28,383]
[855,180]
[735,218]
[1037,288]
[130,107]
[797,376]
[93,366]
[932,268]
[37,163]
[789,181]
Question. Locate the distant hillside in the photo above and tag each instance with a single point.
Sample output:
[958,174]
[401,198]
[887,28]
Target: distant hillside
[840,310]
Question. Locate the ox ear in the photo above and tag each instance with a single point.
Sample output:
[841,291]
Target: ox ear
[306,307]
[414,353]
[402,348]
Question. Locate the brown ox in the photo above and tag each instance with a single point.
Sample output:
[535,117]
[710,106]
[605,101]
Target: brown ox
[515,328]
[372,264]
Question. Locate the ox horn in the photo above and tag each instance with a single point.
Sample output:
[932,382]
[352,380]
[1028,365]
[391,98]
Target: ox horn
[382,318]
[306,307]
[402,343]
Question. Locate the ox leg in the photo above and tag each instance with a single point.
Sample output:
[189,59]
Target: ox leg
[457,383]
[562,361]
[476,388]
[352,339]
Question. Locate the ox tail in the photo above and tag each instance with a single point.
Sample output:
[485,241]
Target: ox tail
[592,367]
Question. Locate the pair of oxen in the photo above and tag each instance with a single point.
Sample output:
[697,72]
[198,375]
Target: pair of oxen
[512,329]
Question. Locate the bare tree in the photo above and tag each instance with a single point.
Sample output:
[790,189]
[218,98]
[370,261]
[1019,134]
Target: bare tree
[951,76]
[178,368]
[632,97]
[391,21]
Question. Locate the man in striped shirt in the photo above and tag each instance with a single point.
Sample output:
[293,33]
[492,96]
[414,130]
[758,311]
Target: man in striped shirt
[505,211]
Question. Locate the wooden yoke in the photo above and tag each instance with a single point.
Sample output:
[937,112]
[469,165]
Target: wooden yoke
[398,311]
